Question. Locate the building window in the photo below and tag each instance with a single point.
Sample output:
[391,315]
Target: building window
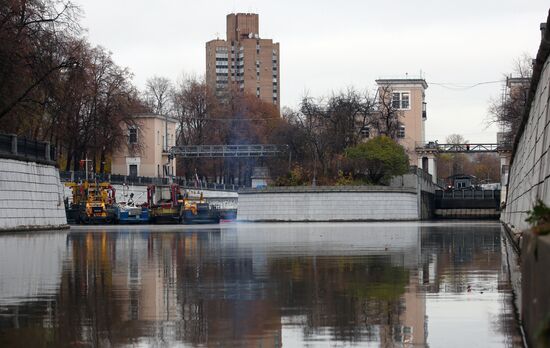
[365,131]
[258,92]
[401,100]
[401,132]
[132,135]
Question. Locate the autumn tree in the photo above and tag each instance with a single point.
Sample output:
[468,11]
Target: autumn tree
[36,44]
[93,102]
[331,125]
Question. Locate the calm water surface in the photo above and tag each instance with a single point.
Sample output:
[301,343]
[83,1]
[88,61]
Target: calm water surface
[258,285]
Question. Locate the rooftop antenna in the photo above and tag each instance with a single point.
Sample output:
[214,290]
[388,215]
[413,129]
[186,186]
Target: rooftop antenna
[217,35]
[406,75]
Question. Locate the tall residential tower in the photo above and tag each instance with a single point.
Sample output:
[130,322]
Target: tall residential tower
[244,61]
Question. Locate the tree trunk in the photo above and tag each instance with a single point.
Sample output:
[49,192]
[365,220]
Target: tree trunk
[102,162]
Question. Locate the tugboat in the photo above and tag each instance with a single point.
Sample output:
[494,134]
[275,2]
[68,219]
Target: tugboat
[129,212]
[91,203]
[167,204]
[198,211]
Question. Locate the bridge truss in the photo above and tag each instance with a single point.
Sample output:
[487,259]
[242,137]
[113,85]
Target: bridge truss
[463,148]
[217,151]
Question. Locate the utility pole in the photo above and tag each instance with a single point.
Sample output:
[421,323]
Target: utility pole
[86,160]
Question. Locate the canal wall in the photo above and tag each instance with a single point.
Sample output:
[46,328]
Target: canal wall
[528,182]
[31,196]
[529,176]
[329,203]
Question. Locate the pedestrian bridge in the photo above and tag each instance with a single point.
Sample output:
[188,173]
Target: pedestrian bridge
[433,146]
[428,153]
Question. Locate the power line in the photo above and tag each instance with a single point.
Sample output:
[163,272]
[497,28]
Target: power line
[230,119]
[463,86]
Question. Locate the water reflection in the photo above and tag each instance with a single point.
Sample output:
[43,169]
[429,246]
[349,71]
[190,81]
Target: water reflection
[263,285]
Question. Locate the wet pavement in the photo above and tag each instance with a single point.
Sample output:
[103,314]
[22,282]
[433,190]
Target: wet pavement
[259,285]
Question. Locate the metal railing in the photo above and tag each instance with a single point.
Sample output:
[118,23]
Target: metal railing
[20,148]
[77,176]
[467,194]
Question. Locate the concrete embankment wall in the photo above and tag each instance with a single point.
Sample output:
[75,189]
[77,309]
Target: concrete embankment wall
[529,178]
[335,203]
[529,181]
[31,196]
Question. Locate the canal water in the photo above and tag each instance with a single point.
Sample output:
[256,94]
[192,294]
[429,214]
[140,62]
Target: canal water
[259,285]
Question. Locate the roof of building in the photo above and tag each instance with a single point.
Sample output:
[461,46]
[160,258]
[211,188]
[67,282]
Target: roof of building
[517,80]
[414,81]
[160,117]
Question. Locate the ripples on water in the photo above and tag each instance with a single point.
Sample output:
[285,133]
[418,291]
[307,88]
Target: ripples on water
[368,284]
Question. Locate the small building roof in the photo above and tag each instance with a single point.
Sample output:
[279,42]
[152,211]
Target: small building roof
[416,81]
[157,116]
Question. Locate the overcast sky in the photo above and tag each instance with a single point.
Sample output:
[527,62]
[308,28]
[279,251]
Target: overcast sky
[331,45]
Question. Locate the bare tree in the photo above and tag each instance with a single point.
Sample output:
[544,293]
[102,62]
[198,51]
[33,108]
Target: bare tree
[387,119]
[194,106]
[508,110]
[158,94]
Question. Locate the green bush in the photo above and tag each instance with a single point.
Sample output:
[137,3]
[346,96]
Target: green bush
[378,159]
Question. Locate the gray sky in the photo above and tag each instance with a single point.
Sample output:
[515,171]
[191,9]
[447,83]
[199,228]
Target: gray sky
[331,45]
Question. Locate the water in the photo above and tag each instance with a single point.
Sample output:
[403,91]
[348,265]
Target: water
[258,285]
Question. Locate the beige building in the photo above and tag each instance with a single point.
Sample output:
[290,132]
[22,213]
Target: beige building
[145,151]
[244,61]
[407,97]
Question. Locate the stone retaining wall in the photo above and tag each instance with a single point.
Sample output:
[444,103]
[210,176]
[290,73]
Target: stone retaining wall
[337,203]
[529,181]
[529,178]
[31,196]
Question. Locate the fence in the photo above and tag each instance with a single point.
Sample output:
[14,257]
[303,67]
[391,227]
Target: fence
[467,199]
[146,180]
[14,147]
[467,194]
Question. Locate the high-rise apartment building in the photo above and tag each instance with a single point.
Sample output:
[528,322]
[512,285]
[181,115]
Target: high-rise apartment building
[244,61]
